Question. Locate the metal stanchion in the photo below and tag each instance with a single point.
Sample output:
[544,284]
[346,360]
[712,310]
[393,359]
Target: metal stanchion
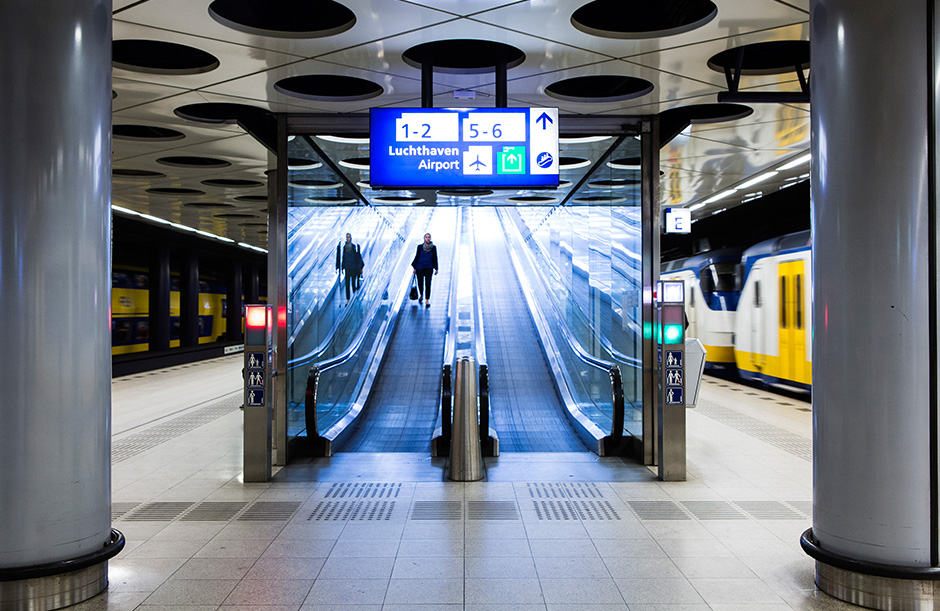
[466,456]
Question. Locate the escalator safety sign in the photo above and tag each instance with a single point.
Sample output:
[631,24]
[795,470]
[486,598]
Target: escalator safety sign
[255,397]
[673,358]
[674,396]
[674,377]
[255,360]
[255,378]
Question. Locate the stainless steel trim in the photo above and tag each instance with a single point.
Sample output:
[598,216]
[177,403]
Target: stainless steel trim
[55,591]
[466,455]
[877,592]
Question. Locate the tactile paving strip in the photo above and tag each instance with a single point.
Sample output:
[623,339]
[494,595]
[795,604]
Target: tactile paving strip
[492,510]
[437,510]
[579,510]
[659,510]
[769,510]
[713,510]
[137,443]
[564,490]
[362,490]
[269,511]
[211,511]
[158,512]
[774,435]
[352,511]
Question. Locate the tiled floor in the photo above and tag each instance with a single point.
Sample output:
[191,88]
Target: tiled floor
[545,532]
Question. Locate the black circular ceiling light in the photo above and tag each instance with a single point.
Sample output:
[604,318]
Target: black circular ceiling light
[160,57]
[193,162]
[636,19]
[232,183]
[329,88]
[762,58]
[208,205]
[174,191]
[133,173]
[601,88]
[145,132]
[463,55]
[284,18]
[218,112]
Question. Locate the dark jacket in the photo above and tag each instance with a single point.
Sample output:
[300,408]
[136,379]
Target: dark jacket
[425,260]
[351,264]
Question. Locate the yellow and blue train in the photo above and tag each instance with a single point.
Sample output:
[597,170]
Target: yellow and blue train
[130,305]
[752,309]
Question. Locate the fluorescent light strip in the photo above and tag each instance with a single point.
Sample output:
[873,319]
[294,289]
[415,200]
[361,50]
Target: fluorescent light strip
[757,180]
[796,162]
[722,195]
[697,206]
[184,227]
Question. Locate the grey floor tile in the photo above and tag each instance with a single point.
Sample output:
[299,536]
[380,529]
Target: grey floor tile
[500,568]
[643,568]
[504,607]
[714,568]
[233,548]
[559,548]
[425,591]
[503,591]
[322,607]
[414,567]
[735,591]
[375,548]
[348,592]
[580,607]
[214,568]
[430,547]
[569,567]
[357,568]
[660,591]
[633,548]
[304,548]
[263,592]
[192,592]
[140,574]
[485,548]
[286,568]
[165,548]
[581,591]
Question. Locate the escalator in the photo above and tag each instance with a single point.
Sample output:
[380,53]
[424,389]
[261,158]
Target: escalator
[525,408]
[402,409]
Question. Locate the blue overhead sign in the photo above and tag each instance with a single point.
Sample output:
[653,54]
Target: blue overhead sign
[478,147]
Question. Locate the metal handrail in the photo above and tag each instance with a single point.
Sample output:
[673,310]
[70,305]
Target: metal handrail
[328,338]
[613,371]
[313,375]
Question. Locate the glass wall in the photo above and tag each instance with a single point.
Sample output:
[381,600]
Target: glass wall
[591,254]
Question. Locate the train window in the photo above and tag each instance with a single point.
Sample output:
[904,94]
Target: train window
[757,302]
[122,331]
[799,301]
[143,330]
[783,302]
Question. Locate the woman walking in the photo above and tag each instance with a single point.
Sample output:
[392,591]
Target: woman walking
[424,266]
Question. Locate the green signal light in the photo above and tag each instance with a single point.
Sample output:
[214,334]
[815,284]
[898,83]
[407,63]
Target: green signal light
[673,334]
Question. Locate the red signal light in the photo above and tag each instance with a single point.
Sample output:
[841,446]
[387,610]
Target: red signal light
[255,316]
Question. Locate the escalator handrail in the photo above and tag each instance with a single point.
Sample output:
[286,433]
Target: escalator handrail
[632,361]
[617,399]
[351,349]
[313,375]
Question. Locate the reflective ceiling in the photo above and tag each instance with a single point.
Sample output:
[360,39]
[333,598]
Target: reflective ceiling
[247,64]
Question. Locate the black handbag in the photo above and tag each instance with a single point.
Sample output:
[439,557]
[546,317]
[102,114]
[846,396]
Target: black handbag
[414,288]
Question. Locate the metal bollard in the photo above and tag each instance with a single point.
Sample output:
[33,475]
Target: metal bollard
[466,456]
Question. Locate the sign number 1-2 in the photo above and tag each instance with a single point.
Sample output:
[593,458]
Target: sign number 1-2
[425,134]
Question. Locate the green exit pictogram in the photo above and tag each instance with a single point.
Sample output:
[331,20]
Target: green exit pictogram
[511,160]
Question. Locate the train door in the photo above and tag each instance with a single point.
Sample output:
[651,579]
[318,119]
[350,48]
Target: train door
[756,346]
[792,319]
